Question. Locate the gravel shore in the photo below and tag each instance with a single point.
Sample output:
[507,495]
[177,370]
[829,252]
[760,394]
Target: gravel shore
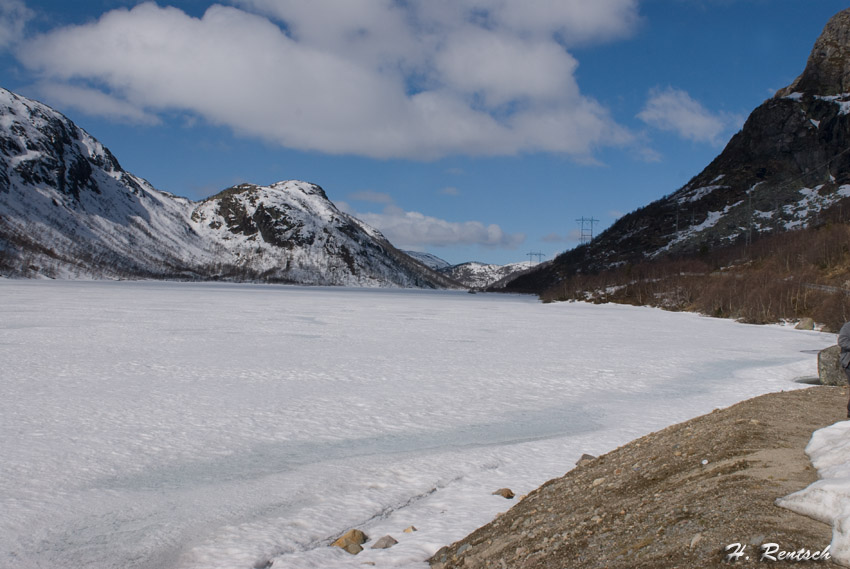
[676,498]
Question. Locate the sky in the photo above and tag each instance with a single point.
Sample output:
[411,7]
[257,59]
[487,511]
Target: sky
[475,130]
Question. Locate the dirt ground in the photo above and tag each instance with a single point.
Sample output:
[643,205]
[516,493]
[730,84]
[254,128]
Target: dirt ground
[676,498]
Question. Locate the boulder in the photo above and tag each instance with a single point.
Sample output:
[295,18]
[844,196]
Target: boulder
[385,542]
[351,541]
[829,369]
[504,493]
[411,529]
[585,458]
[805,324]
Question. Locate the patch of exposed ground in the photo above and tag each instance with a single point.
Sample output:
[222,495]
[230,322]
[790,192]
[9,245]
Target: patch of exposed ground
[672,499]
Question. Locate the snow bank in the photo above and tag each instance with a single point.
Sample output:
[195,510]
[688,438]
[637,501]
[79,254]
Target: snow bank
[828,499]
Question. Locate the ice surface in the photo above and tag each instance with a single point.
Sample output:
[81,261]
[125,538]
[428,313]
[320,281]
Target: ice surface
[180,425]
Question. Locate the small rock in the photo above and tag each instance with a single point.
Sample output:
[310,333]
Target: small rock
[805,324]
[353,548]
[351,540]
[504,493]
[695,540]
[411,529]
[585,458]
[385,542]
[598,481]
[462,549]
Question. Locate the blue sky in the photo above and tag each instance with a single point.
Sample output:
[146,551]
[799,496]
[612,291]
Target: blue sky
[471,129]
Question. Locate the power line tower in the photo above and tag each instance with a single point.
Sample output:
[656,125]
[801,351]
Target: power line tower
[586,224]
[537,254]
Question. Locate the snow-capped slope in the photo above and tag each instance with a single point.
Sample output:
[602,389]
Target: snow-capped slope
[68,210]
[429,260]
[481,275]
[787,168]
[291,231]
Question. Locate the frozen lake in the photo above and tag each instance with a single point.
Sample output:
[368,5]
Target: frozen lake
[178,425]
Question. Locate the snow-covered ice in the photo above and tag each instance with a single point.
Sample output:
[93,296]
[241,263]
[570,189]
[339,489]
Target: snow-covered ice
[828,499]
[180,425]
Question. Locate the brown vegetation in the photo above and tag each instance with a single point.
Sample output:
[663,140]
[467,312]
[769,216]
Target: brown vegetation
[795,274]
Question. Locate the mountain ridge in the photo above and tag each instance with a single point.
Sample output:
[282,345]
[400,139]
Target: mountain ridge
[785,169]
[71,211]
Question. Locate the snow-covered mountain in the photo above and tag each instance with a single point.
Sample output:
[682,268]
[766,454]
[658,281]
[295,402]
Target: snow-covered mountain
[481,275]
[68,210]
[788,167]
[429,260]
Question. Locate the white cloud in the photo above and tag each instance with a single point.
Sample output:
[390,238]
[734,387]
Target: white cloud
[502,69]
[414,230]
[450,191]
[674,110]
[93,102]
[374,78]
[14,16]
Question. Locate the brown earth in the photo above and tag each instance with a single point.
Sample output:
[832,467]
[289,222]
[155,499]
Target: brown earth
[672,499]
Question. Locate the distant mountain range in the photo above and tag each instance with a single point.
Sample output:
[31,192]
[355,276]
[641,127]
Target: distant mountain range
[472,274]
[786,169]
[68,210]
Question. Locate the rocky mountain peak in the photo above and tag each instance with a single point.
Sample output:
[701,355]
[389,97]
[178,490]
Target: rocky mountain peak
[828,67]
[787,168]
[68,210]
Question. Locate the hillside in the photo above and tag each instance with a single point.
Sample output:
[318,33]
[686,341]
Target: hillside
[483,275]
[788,276]
[69,210]
[673,499]
[787,169]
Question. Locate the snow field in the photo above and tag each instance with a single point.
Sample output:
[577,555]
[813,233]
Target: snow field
[179,425]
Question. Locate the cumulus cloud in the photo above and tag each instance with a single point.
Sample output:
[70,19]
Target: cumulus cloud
[417,231]
[411,229]
[374,78]
[95,102]
[674,110]
[14,16]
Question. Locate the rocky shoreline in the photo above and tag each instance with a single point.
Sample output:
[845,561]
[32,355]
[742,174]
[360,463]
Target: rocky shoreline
[680,497]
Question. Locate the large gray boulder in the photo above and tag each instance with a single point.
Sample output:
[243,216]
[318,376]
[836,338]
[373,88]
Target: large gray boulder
[829,369]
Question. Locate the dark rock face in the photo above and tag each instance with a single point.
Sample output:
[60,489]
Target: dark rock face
[828,67]
[63,162]
[788,165]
